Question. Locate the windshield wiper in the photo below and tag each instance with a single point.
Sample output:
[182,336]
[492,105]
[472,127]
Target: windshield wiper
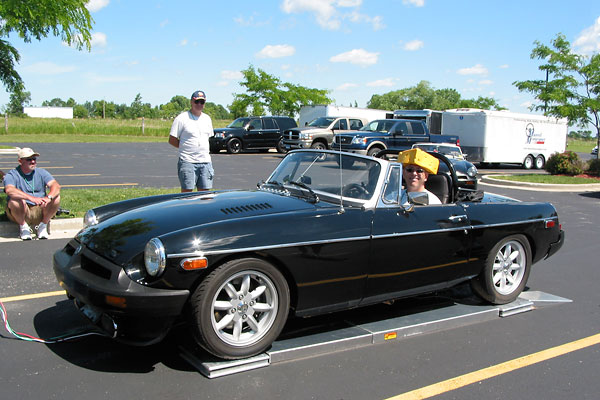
[305,186]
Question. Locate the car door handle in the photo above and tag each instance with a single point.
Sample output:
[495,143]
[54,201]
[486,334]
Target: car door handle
[457,218]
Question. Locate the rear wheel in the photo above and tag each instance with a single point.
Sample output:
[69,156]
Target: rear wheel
[540,161]
[528,162]
[506,270]
[240,308]
[234,146]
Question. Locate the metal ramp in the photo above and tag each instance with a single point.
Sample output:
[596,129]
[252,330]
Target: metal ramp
[314,337]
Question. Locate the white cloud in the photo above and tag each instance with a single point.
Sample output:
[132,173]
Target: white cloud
[164,23]
[99,79]
[327,14]
[250,21]
[98,40]
[231,75]
[184,42]
[413,45]
[383,82]
[527,104]
[49,68]
[346,86]
[588,41]
[504,66]
[475,70]
[416,3]
[276,51]
[486,82]
[357,56]
[96,5]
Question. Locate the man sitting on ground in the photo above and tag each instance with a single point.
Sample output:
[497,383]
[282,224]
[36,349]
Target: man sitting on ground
[27,201]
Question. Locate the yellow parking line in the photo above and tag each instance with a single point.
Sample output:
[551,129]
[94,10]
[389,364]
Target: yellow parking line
[499,369]
[102,184]
[77,175]
[32,296]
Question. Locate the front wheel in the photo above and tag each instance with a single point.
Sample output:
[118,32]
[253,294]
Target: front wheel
[240,308]
[528,162]
[234,146]
[318,146]
[505,272]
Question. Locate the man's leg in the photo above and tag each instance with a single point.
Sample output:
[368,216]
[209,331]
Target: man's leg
[17,211]
[50,210]
[204,176]
[187,177]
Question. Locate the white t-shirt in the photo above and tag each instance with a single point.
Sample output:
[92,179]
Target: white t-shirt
[193,133]
[433,199]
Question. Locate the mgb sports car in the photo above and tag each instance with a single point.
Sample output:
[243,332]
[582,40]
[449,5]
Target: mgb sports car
[326,231]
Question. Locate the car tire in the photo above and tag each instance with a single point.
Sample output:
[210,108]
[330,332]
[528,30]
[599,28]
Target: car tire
[318,146]
[240,308]
[234,146]
[540,162]
[280,147]
[528,162]
[373,151]
[506,271]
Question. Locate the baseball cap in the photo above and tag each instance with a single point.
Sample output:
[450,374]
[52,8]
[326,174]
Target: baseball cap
[26,152]
[198,94]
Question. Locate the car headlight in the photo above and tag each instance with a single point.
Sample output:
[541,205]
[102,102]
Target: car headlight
[359,140]
[90,218]
[155,258]
[305,136]
[220,135]
[472,171]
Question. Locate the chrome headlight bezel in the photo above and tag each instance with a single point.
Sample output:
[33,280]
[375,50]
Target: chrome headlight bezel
[472,171]
[155,257]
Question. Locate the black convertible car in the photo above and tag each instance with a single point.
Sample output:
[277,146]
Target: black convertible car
[325,232]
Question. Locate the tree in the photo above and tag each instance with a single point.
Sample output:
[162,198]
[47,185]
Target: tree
[267,92]
[572,84]
[17,100]
[424,96]
[68,19]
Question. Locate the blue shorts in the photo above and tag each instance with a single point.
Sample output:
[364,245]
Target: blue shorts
[199,175]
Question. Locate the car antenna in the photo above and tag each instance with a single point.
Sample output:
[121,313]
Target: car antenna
[341,211]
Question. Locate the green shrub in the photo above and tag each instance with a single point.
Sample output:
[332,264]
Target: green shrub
[593,167]
[567,163]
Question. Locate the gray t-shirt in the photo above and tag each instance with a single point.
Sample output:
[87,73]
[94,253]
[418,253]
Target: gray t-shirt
[34,183]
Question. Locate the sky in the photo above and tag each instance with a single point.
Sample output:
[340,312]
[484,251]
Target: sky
[353,48]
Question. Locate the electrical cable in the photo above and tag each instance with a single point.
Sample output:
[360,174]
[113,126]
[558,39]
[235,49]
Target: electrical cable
[30,338]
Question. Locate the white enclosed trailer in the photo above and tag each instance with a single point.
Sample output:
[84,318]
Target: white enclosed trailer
[506,137]
[309,113]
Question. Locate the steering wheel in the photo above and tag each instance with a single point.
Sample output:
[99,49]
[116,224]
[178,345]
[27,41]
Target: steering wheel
[356,191]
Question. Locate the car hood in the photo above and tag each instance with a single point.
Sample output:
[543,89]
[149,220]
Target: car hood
[227,130]
[309,129]
[123,236]
[362,134]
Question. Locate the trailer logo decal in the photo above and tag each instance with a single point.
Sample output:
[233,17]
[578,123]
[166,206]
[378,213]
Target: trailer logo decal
[532,136]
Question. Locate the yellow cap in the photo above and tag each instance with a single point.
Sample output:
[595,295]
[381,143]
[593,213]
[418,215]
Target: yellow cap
[418,157]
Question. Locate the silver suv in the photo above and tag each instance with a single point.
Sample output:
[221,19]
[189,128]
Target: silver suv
[319,133]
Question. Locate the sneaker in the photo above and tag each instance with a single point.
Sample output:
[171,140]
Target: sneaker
[25,233]
[42,231]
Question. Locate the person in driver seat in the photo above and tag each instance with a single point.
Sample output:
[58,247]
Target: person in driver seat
[416,167]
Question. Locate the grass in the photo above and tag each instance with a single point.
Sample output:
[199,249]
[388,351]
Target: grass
[78,201]
[550,179]
[57,130]
[580,145]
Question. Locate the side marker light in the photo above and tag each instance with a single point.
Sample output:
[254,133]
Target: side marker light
[191,264]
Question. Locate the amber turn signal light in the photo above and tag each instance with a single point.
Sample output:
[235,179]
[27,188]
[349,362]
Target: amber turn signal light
[190,264]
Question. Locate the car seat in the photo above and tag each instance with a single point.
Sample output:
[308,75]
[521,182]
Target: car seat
[440,186]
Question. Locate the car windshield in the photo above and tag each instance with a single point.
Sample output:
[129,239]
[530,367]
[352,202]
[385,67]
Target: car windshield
[321,122]
[378,126]
[239,123]
[448,151]
[328,173]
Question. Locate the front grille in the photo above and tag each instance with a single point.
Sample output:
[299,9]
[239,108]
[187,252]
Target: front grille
[291,135]
[343,139]
[94,268]
[246,208]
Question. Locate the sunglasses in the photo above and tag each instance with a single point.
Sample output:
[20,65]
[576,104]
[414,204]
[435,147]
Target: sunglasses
[30,159]
[417,170]
[200,101]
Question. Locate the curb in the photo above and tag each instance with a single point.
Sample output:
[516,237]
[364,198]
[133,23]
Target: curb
[584,187]
[61,225]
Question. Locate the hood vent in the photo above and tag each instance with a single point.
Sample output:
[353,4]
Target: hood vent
[246,208]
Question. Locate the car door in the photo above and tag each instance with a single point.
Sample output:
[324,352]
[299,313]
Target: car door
[415,250]
[271,132]
[253,134]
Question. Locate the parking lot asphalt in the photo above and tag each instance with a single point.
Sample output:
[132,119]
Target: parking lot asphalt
[98,368]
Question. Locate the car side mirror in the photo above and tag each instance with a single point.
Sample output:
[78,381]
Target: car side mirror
[306,179]
[418,198]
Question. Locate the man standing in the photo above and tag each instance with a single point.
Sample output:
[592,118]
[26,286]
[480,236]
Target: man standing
[189,133]
[27,201]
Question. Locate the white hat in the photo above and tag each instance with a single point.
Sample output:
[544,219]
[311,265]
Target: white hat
[26,152]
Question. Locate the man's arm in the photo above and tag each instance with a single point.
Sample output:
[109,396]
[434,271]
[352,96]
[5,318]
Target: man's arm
[16,194]
[173,141]
[54,188]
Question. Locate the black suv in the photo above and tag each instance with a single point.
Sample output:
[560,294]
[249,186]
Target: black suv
[251,133]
